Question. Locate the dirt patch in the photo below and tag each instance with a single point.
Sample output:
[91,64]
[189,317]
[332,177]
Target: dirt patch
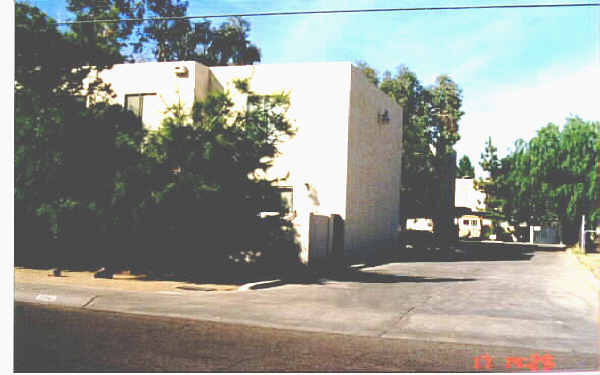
[121,282]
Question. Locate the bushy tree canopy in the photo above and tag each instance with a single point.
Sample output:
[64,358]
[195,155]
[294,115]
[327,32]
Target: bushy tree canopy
[48,63]
[176,39]
[72,163]
[93,187]
[210,188]
[551,178]
[465,169]
[369,72]
[430,129]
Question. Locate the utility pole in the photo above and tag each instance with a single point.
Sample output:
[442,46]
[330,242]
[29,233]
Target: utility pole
[531,234]
[582,242]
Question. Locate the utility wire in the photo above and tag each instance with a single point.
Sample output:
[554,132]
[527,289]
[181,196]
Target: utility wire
[334,12]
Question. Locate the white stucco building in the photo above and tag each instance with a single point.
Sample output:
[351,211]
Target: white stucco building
[468,197]
[345,159]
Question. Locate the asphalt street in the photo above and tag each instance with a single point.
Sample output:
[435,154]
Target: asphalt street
[50,338]
[479,297]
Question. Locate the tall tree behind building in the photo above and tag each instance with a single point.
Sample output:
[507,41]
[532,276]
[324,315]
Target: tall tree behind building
[491,184]
[550,179]
[115,37]
[430,130]
[465,169]
[417,164]
[164,40]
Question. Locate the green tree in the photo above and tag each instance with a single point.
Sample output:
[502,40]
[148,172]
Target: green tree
[465,169]
[489,159]
[205,207]
[444,115]
[171,40]
[369,72]
[230,45]
[417,166]
[110,37]
[431,117]
[49,64]
[92,186]
[565,165]
[550,179]
[507,182]
[71,162]
[491,164]
[163,40]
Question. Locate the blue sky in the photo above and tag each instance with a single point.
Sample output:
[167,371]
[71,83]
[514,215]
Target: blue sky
[519,69]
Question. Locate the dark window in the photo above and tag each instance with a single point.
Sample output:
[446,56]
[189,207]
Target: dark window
[285,198]
[465,222]
[135,103]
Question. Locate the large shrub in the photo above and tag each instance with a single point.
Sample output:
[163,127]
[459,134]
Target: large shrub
[208,184]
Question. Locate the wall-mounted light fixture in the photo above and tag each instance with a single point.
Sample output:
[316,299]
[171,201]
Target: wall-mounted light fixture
[383,117]
[181,71]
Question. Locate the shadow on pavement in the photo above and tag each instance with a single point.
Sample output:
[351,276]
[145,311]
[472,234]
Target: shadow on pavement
[461,252]
[323,276]
[372,277]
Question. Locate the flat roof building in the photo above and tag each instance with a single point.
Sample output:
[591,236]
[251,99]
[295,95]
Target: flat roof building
[344,163]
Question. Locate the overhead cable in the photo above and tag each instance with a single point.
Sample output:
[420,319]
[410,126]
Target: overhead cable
[339,11]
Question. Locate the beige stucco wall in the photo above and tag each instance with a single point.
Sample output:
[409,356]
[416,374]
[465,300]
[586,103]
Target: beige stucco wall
[374,169]
[157,78]
[341,160]
[319,96]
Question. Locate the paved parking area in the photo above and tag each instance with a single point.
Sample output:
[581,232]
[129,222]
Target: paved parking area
[539,300]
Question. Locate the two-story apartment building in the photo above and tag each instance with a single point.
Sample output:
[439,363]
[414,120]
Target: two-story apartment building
[344,162]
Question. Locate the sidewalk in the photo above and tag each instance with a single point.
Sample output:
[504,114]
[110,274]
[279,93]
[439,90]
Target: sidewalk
[119,282]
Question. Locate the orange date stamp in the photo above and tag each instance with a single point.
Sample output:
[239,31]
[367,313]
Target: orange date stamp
[534,362]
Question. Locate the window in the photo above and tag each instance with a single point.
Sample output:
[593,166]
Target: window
[465,222]
[135,103]
[474,223]
[284,196]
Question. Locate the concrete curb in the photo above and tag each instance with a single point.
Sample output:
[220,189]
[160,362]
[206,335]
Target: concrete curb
[593,279]
[261,285]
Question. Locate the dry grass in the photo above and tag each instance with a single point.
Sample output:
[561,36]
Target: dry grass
[590,260]
[121,282]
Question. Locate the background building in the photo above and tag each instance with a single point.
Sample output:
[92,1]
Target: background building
[466,196]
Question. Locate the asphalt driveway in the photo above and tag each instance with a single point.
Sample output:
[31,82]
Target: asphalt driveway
[478,294]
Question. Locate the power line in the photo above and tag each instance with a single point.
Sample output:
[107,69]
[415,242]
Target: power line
[339,11]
